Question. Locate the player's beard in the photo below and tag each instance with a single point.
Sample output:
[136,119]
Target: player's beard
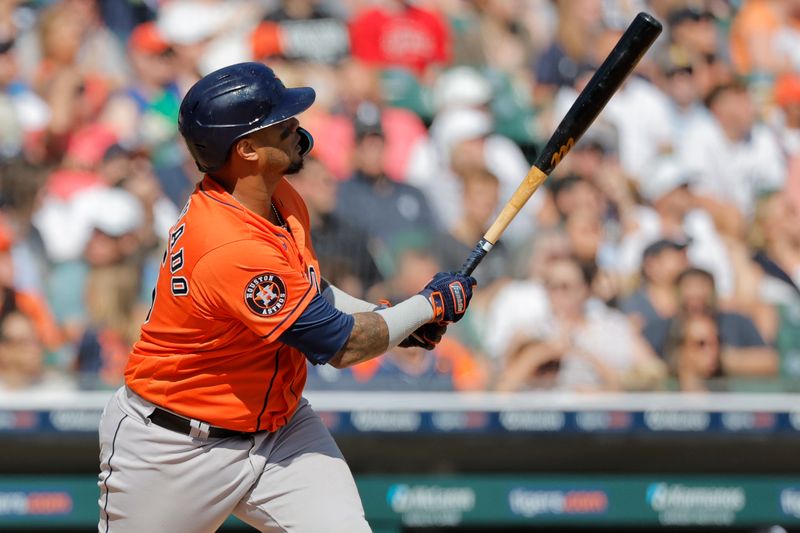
[294,167]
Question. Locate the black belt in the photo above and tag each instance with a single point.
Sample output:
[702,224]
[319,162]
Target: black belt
[193,428]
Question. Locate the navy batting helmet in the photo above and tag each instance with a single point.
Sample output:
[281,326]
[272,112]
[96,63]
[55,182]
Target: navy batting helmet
[233,101]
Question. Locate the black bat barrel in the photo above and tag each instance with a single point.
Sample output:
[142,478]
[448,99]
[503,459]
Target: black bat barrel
[618,65]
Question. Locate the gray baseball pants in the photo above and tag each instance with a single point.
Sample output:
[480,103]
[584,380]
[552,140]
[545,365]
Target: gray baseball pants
[157,480]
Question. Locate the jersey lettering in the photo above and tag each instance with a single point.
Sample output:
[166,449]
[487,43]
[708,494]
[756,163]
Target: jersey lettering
[175,235]
[176,261]
[180,287]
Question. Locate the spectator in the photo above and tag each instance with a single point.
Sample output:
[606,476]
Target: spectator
[570,52]
[573,194]
[773,281]
[593,346]
[734,158]
[22,358]
[744,352]
[523,302]
[24,113]
[674,215]
[751,37]
[28,301]
[590,246]
[20,186]
[775,237]
[695,354]
[112,293]
[656,300]
[480,202]
[640,114]
[306,31]
[400,34]
[685,103]
[467,131]
[786,121]
[369,200]
[343,250]
[73,36]
[693,36]
[145,112]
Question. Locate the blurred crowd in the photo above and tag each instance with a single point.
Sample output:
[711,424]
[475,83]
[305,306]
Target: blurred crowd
[662,254]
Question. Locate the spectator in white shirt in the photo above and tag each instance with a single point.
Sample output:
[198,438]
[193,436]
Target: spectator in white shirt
[734,158]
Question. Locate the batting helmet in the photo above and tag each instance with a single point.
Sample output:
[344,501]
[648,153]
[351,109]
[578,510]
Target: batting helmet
[232,102]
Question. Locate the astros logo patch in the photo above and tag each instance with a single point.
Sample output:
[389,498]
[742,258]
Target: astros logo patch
[265,295]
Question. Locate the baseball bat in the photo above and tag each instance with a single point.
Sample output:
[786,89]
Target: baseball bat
[617,66]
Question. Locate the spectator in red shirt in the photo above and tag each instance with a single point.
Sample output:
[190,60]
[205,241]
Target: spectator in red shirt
[398,34]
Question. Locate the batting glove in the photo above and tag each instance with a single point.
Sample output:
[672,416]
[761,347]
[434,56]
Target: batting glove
[449,294]
[426,336]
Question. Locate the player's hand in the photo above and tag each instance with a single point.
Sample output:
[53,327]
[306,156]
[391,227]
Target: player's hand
[449,294]
[426,336]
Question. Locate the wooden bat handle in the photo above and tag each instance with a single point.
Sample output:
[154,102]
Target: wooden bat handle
[525,190]
[523,193]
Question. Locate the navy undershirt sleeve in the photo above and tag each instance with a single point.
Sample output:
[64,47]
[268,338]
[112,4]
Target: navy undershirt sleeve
[320,331]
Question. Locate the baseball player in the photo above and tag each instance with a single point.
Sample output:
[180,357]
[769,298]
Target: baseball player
[211,420]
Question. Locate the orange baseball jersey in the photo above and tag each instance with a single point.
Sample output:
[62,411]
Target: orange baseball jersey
[230,284]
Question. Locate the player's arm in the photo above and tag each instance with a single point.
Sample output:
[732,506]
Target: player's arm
[426,336]
[327,335]
[443,300]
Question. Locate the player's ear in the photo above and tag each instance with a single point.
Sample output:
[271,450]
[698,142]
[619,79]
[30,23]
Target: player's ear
[246,149]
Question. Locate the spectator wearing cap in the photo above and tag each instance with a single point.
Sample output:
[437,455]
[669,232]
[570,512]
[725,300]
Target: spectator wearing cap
[734,157]
[112,293]
[694,37]
[673,214]
[463,122]
[370,200]
[342,248]
[206,36]
[744,352]
[144,113]
[67,219]
[685,100]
